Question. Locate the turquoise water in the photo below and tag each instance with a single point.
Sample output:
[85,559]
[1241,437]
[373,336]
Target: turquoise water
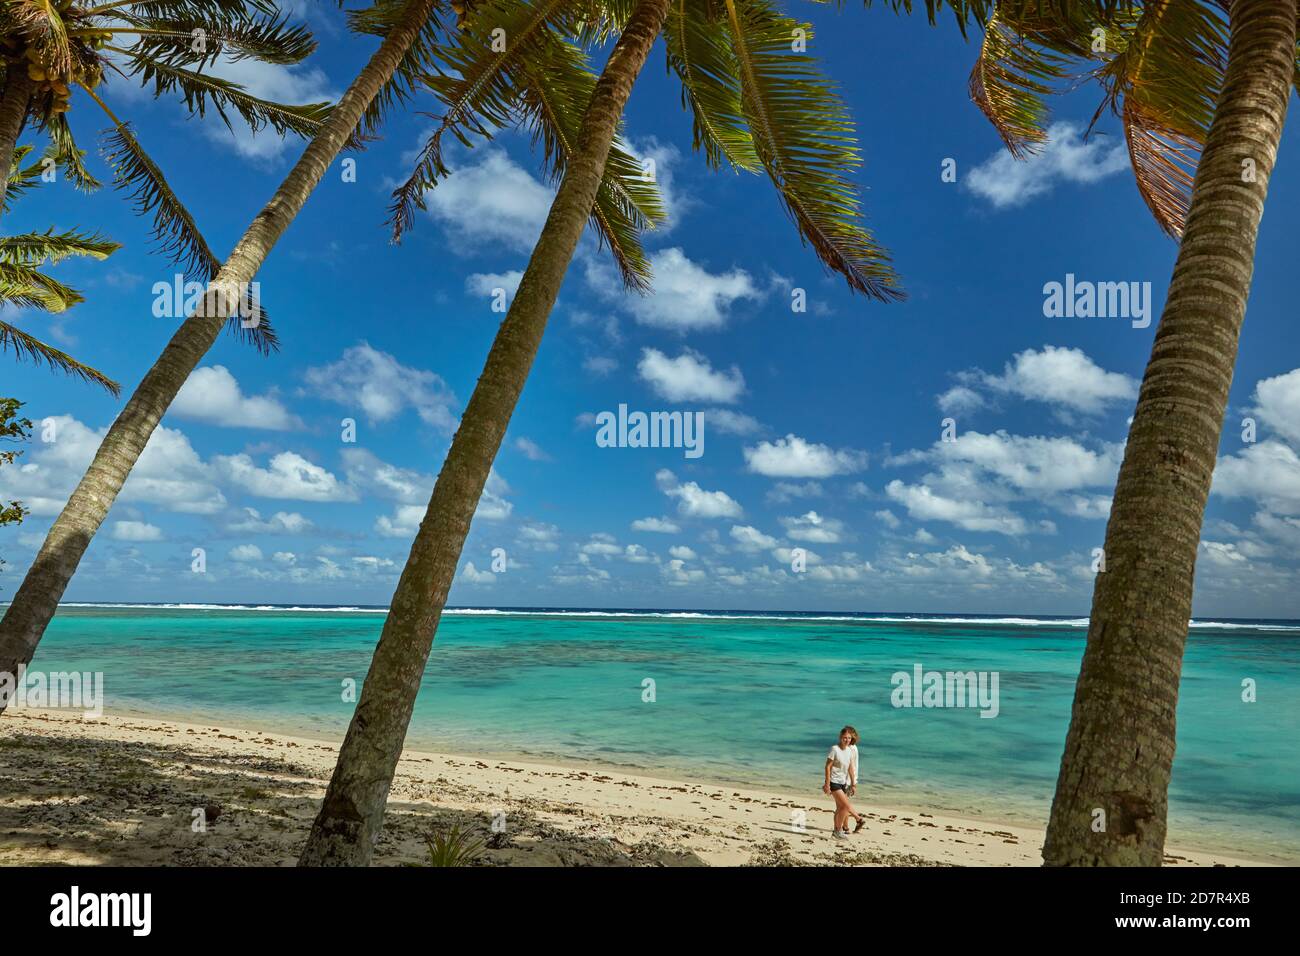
[748,699]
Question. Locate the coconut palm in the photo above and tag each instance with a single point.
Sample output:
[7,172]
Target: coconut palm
[24,284]
[411,30]
[52,49]
[756,105]
[386,78]
[1201,90]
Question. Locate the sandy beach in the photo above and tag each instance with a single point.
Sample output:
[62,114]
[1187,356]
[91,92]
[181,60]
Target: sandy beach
[123,790]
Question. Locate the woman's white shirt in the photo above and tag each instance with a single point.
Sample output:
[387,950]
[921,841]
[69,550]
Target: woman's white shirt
[844,764]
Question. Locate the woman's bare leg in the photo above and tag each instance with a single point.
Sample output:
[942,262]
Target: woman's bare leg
[841,811]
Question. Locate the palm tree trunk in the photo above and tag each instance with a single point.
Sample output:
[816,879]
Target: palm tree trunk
[13,111]
[1112,794]
[38,597]
[352,813]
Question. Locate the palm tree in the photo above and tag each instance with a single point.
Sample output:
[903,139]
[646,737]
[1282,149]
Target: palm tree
[49,49]
[386,79]
[756,104]
[411,30]
[1202,101]
[24,284]
[1120,747]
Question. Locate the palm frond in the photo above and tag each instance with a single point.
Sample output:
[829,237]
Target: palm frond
[474,81]
[26,346]
[67,153]
[1026,55]
[805,140]
[201,90]
[377,20]
[174,228]
[26,286]
[699,41]
[1164,84]
[39,248]
[271,40]
[555,89]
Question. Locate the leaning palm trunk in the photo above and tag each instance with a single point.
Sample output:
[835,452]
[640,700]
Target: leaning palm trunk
[13,111]
[1112,794]
[38,597]
[352,813]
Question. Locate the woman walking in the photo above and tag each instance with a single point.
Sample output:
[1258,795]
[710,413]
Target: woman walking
[842,781]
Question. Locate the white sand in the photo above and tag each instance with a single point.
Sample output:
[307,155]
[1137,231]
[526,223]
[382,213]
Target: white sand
[123,790]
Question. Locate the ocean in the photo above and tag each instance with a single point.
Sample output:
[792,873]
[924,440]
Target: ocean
[744,697]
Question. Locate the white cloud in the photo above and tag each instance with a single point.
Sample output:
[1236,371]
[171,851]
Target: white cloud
[212,395]
[403,523]
[541,537]
[282,522]
[923,504]
[813,527]
[784,491]
[1026,463]
[682,552]
[1268,472]
[656,525]
[793,457]
[694,502]
[888,518]
[1007,182]
[474,576]
[246,552]
[487,283]
[686,297]
[382,387]
[493,201]
[750,539]
[374,476]
[285,558]
[169,472]
[1277,403]
[289,475]
[531,450]
[136,531]
[1064,377]
[689,377]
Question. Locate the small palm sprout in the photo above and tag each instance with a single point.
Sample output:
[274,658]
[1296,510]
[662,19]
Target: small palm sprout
[24,284]
[453,847]
[52,49]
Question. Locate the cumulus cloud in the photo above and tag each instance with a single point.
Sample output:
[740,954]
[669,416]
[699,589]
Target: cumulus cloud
[136,531]
[212,395]
[1268,472]
[1007,182]
[381,387]
[694,502]
[656,525]
[1064,377]
[170,472]
[246,552]
[924,504]
[686,297]
[288,475]
[493,201]
[689,377]
[1277,404]
[813,527]
[282,522]
[793,457]
[750,539]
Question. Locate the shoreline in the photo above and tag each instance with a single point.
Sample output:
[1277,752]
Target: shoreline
[123,789]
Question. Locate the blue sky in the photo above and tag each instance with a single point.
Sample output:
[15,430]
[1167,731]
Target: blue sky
[822,429]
